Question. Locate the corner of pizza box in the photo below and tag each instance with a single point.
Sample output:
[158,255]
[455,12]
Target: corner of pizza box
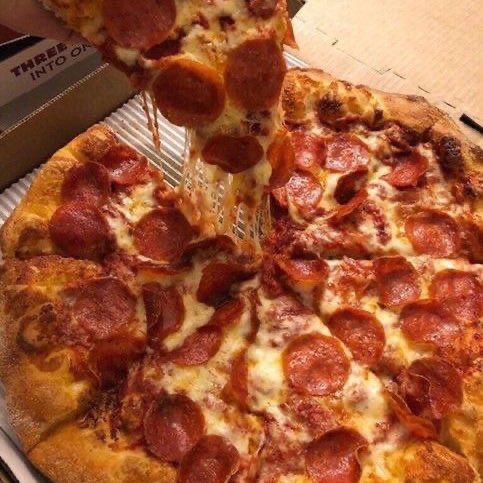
[29,143]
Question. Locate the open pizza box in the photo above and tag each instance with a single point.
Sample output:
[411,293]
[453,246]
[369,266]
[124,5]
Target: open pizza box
[384,44]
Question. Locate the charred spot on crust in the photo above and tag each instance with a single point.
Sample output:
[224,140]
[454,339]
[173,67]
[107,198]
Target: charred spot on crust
[329,107]
[413,98]
[401,137]
[450,156]
[378,117]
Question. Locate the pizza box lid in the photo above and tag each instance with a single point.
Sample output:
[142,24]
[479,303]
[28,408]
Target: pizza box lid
[431,49]
[30,142]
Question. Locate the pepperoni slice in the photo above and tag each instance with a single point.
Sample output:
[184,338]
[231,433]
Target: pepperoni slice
[473,239]
[361,332]
[262,8]
[199,347]
[254,74]
[345,210]
[232,154]
[308,273]
[163,234]
[213,460]
[88,183]
[125,165]
[421,427]
[346,152]
[305,191]
[164,311]
[189,93]
[397,281]
[142,27]
[460,293]
[428,322]
[432,387]
[110,359]
[310,150]
[433,233]
[408,170]
[280,155]
[104,308]
[217,280]
[80,230]
[316,365]
[227,314]
[333,458]
[172,427]
[349,185]
[237,388]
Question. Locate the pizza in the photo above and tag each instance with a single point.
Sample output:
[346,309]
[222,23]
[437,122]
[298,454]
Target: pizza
[138,345]
[215,67]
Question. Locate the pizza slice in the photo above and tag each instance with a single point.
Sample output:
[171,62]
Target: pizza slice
[189,385]
[334,410]
[214,67]
[175,415]
[376,173]
[94,447]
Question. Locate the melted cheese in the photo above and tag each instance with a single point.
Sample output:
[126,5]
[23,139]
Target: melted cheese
[196,315]
[363,397]
[204,385]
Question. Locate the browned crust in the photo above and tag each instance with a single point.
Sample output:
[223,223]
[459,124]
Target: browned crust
[26,232]
[430,462]
[462,430]
[75,454]
[458,156]
[41,390]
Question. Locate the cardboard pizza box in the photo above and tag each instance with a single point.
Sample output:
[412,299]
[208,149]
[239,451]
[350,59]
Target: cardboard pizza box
[29,66]
[431,49]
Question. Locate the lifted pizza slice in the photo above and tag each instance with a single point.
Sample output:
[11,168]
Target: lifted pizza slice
[215,68]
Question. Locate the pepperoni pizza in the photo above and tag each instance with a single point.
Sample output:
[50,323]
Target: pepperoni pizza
[137,346]
[215,67]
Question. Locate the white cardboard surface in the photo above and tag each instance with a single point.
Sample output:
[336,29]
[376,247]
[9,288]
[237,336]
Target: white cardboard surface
[432,48]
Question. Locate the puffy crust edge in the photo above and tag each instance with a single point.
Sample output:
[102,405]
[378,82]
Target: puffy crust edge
[76,454]
[428,461]
[37,400]
[463,429]
[26,232]
[375,107]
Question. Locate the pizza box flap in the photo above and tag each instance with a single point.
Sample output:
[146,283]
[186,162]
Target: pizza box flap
[430,48]
[32,141]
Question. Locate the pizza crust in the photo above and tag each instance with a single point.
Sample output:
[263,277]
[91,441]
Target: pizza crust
[72,453]
[41,390]
[459,156]
[463,430]
[26,232]
[430,462]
